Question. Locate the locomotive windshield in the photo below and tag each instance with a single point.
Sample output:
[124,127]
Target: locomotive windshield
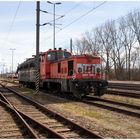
[51,56]
[57,55]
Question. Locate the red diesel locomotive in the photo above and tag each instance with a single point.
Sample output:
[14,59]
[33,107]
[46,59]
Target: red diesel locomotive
[62,71]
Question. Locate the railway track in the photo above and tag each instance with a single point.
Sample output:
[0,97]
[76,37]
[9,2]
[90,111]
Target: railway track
[38,130]
[125,93]
[127,109]
[13,125]
[124,89]
[123,108]
[126,86]
[32,111]
[120,107]
[112,102]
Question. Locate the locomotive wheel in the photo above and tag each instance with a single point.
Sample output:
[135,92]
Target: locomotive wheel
[78,95]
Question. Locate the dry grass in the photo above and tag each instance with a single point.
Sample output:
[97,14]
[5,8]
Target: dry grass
[80,111]
[118,98]
[107,119]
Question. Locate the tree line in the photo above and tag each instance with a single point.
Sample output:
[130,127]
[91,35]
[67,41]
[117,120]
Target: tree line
[117,42]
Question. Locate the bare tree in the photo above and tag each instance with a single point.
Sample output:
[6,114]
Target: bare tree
[82,46]
[128,42]
[117,52]
[134,23]
[106,34]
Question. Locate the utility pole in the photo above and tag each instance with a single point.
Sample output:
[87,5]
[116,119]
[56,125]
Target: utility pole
[53,26]
[37,46]
[12,49]
[57,3]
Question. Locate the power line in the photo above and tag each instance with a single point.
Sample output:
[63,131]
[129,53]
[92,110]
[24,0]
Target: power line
[115,20]
[59,18]
[80,17]
[13,20]
[66,13]
[11,26]
[84,15]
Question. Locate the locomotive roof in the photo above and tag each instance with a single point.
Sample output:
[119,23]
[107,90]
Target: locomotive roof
[78,56]
[29,61]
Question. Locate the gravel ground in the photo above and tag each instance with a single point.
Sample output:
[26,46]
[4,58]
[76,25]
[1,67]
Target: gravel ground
[105,123]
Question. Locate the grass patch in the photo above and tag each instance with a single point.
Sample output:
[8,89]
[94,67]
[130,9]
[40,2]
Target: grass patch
[82,111]
[24,90]
[122,99]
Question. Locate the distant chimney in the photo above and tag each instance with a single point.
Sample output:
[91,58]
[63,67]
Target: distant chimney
[71,45]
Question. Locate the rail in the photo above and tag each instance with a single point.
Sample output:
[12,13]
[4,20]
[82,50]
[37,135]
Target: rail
[68,129]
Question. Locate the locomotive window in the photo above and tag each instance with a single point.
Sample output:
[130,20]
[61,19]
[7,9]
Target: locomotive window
[51,56]
[67,55]
[60,54]
[59,67]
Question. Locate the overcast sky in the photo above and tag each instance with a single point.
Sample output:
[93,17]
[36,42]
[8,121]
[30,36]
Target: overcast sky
[17,25]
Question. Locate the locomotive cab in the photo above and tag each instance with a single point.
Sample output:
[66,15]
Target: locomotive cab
[46,59]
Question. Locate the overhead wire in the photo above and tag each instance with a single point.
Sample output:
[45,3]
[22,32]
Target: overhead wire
[13,20]
[115,20]
[11,25]
[66,13]
[5,40]
[83,15]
